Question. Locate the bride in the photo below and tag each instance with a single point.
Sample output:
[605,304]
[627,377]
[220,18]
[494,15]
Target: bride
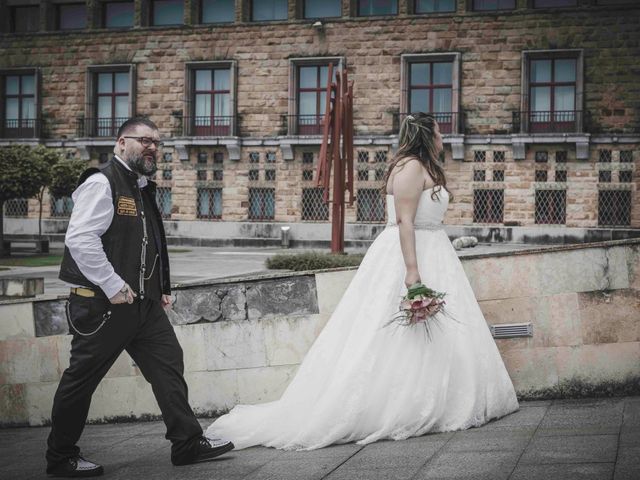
[362,381]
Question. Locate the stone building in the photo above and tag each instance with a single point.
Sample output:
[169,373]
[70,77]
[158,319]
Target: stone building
[539,101]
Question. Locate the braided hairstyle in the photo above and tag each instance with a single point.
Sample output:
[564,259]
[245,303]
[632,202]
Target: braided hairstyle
[417,140]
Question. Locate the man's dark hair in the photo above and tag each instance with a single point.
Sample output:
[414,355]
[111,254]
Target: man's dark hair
[132,123]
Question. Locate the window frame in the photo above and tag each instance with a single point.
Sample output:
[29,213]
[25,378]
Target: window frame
[12,17]
[408,59]
[527,57]
[152,23]
[36,88]
[294,72]
[414,6]
[188,127]
[58,16]
[358,14]
[303,11]
[200,15]
[252,20]
[90,127]
[103,14]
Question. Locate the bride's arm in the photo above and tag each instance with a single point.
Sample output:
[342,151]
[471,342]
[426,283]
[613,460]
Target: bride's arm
[408,183]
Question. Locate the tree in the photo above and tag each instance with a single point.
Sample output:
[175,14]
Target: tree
[22,175]
[64,177]
[46,159]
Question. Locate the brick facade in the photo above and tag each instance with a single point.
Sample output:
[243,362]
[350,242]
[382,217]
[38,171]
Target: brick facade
[489,51]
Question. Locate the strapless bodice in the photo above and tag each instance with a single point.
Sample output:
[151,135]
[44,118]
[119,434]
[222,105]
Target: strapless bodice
[430,211]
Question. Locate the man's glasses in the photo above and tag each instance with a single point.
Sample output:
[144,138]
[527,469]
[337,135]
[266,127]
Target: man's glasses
[147,141]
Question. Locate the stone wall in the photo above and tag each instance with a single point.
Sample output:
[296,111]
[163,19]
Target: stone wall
[243,341]
[490,45]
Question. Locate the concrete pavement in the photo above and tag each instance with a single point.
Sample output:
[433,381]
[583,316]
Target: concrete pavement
[589,439]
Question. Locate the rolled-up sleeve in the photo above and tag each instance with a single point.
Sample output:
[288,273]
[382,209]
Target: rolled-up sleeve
[91,216]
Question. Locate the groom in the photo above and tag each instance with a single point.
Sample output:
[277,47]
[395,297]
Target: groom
[116,262]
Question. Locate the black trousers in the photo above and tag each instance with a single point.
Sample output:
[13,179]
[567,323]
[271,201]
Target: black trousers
[144,331]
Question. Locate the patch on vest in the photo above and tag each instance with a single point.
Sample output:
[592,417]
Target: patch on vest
[126,206]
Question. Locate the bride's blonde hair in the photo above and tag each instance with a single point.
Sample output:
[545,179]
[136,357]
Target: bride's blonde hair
[417,140]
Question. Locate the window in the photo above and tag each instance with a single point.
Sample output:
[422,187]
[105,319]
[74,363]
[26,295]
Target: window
[498,175]
[163,199]
[201,175]
[61,207]
[479,156]
[209,203]
[488,5]
[254,157]
[262,204]
[313,206]
[322,8]
[604,176]
[19,104]
[217,175]
[604,156]
[72,16]
[370,205]
[626,156]
[541,176]
[166,174]
[254,175]
[363,175]
[363,156]
[625,176]
[16,207]
[498,156]
[561,156]
[614,207]
[432,6]
[552,94]
[551,207]
[264,10]
[167,12]
[210,105]
[479,175]
[311,95]
[111,102]
[270,175]
[377,7]
[307,175]
[488,206]
[541,157]
[118,14]
[432,85]
[561,176]
[554,3]
[25,19]
[218,11]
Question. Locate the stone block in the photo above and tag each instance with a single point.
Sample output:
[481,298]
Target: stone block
[503,277]
[39,401]
[599,362]
[26,360]
[231,345]
[295,295]
[610,316]
[212,392]
[192,340]
[330,287]
[258,385]
[134,394]
[532,368]
[288,339]
[13,405]
[50,318]
[21,287]
[16,320]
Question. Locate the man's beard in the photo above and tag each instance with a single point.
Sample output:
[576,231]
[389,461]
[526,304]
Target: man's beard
[139,165]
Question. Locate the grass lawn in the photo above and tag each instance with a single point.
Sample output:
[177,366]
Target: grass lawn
[178,250]
[312,261]
[31,261]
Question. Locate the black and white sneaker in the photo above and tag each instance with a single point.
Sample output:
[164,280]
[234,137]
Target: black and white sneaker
[209,448]
[76,467]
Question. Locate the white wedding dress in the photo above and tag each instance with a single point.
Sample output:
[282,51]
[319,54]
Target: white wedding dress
[362,381]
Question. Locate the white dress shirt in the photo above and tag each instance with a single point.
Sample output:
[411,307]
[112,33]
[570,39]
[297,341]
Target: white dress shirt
[90,219]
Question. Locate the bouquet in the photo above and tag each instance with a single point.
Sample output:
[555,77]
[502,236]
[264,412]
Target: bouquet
[421,305]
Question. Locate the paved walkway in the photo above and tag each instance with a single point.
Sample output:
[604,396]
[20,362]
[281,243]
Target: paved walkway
[592,439]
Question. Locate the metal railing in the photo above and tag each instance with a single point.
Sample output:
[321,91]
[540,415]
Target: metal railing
[209,126]
[558,121]
[21,128]
[99,127]
[448,122]
[304,124]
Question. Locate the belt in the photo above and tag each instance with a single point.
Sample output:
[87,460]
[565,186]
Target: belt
[421,226]
[83,292]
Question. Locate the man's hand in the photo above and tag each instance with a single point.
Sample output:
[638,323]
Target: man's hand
[125,295]
[166,301]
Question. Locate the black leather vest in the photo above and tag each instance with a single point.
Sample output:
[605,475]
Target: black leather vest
[123,241]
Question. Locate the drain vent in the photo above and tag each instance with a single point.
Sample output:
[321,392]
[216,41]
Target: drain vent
[507,330]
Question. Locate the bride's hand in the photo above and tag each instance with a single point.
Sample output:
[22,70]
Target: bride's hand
[411,277]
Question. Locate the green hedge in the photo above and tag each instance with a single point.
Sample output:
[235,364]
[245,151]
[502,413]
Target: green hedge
[312,261]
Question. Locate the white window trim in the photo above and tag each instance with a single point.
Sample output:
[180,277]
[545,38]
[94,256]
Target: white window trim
[190,67]
[294,63]
[454,58]
[527,55]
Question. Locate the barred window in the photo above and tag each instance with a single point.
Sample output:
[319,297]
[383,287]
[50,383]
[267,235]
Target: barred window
[479,156]
[166,174]
[604,156]
[254,157]
[604,176]
[313,206]
[363,156]
[478,175]
[254,175]
[201,175]
[380,173]
[209,203]
[499,156]
[488,206]
[363,175]
[541,157]
[307,157]
[217,175]
[16,207]
[164,201]
[270,157]
[167,156]
[561,175]
[541,175]
[203,157]
[498,175]
[625,176]
[218,157]
[307,175]
[270,175]
[551,207]
[370,205]
[262,203]
[626,156]
[381,156]
[61,206]
[561,156]
[614,207]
